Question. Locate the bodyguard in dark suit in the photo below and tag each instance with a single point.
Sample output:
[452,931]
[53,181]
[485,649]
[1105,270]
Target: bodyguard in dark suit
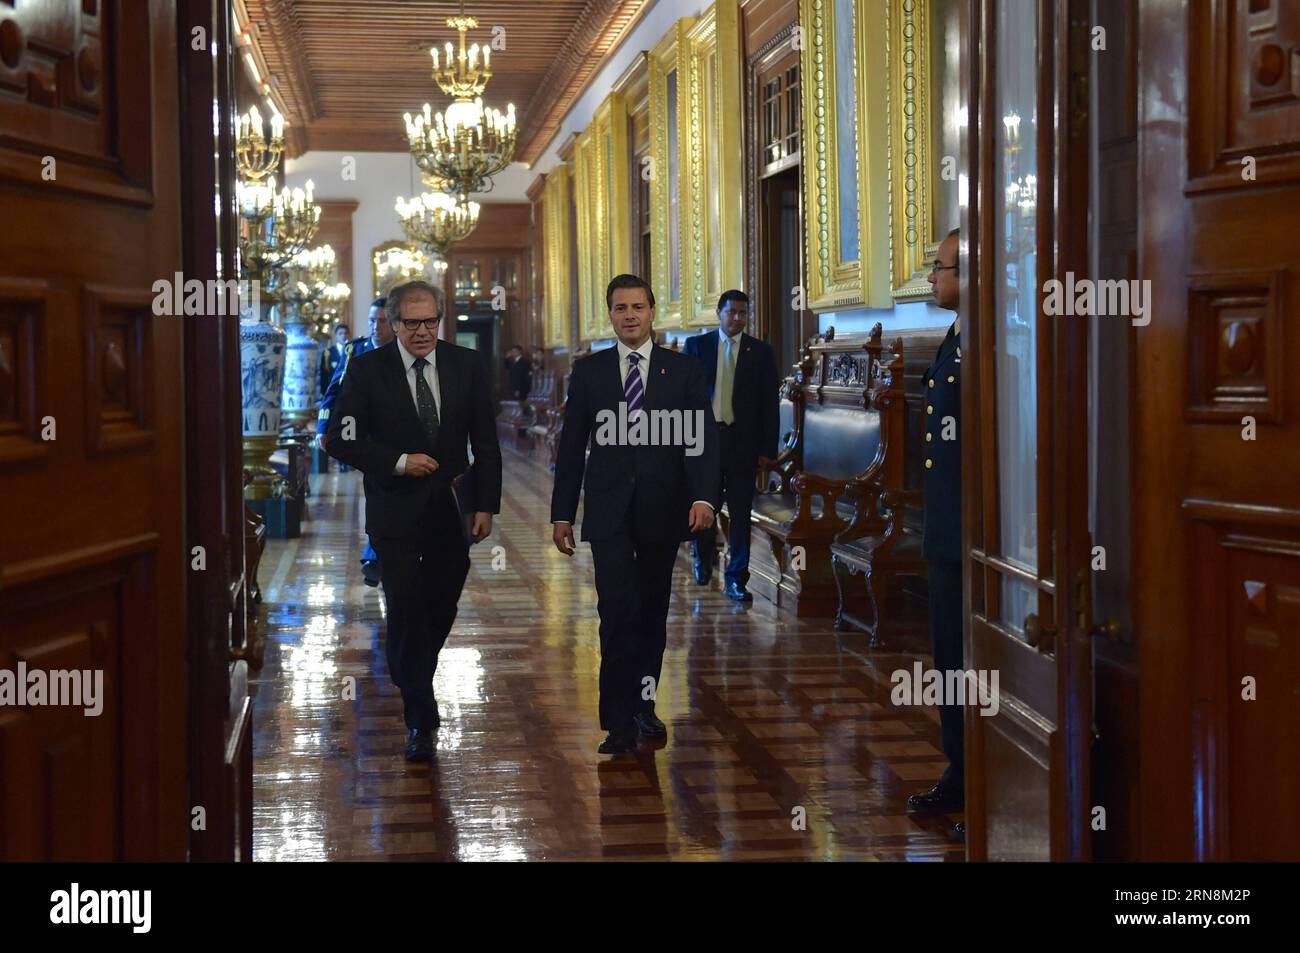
[403,418]
[333,356]
[741,374]
[942,540]
[519,374]
[381,333]
[641,500]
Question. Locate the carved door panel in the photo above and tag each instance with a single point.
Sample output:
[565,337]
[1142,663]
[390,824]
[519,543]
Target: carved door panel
[1024,465]
[92,564]
[1216,496]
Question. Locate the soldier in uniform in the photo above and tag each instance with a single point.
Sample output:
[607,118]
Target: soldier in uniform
[381,333]
[942,541]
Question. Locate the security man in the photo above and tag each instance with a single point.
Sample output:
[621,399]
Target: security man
[942,540]
[381,333]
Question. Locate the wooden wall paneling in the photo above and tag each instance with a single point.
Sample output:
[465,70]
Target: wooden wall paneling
[93,523]
[336,231]
[1218,248]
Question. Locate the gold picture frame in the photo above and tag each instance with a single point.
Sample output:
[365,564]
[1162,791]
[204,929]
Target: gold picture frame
[601,176]
[914,238]
[555,224]
[670,56]
[841,277]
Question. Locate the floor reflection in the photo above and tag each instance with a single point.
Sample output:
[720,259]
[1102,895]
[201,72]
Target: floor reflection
[782,743]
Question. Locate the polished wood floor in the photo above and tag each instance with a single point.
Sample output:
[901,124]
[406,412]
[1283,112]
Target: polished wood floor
[783,743]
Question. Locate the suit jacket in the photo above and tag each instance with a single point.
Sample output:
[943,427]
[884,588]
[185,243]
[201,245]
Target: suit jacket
[659,482]
[376,395]
[754,392]
[353,348]
[519,376]
[943,457]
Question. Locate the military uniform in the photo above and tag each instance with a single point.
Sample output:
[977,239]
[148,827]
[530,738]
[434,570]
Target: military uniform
[350,350]
[355,346]
[942,540]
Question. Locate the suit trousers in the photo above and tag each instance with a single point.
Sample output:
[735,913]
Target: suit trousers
[634,581]
[423,577]
[738,492]
[945,633]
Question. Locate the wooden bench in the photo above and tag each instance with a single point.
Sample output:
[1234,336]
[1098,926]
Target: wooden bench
[845,415]
[884,547]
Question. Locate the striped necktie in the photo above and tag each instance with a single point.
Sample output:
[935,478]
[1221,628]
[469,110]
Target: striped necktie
[633,390]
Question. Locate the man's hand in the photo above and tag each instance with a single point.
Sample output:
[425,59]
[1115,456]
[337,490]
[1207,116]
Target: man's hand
[320,440]
[562,536]
[420,465]
[701,517]
[482,526]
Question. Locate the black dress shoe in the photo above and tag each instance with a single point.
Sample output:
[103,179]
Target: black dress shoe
[703,573]
[370,570]
[419,745]
[937,800]
[648,723]
[738,592]
[620,741]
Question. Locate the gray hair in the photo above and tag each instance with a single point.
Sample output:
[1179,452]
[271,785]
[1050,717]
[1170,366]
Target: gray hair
[411,288]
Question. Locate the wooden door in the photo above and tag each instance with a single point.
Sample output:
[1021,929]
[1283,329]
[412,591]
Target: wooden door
[1025,432]
[1217,430]
[92,559]
[218,603]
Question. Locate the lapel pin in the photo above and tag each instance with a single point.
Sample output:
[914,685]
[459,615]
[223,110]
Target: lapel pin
[663,370]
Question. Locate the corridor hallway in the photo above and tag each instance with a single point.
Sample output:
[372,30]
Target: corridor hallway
[765,715]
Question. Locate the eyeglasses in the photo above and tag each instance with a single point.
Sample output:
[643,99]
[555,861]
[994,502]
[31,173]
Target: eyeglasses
[413,324]
[938,267]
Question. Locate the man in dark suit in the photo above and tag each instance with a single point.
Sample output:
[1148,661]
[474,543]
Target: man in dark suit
[403,418]
[942,540]
[519,374]
[644,496]
[381,333]
[333,355]
[741,374]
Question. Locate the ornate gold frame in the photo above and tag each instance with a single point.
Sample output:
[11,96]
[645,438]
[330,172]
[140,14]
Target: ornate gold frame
[838,277]
[555,210]
[913,243]
[603,209]
[715,135]
[671,53]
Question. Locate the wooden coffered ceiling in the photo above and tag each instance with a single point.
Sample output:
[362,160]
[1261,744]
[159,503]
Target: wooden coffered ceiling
[346,70]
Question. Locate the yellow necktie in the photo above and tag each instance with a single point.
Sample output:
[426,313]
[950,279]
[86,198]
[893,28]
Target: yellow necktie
[728,373]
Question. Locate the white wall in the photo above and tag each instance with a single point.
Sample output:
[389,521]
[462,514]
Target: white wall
[378,178]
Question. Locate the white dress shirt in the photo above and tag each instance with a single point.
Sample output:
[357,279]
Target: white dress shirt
[430,373]
[722,363]
[644,367]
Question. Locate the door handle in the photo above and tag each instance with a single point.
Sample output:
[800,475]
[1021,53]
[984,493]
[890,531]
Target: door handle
[1037,634]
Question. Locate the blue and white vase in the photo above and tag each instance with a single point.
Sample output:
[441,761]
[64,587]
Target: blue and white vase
[301,372]
[261,369]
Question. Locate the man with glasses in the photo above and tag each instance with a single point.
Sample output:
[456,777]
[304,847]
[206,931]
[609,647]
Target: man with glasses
[404,417]
[381,332]
[942,540]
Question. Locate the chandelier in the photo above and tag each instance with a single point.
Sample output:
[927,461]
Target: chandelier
[397,265]
[254,156]
[468,143]
[276,227]
[436,220]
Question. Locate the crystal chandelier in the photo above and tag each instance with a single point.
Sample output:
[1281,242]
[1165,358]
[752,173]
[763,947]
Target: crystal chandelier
[436,220]
[276,226]
[254,156]
[468,143]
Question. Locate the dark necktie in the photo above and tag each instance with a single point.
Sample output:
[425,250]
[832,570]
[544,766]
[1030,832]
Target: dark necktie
[424,401]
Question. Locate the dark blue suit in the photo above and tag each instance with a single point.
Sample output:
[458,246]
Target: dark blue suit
[636,513]
[755,407]
[942,541]
[354,348]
